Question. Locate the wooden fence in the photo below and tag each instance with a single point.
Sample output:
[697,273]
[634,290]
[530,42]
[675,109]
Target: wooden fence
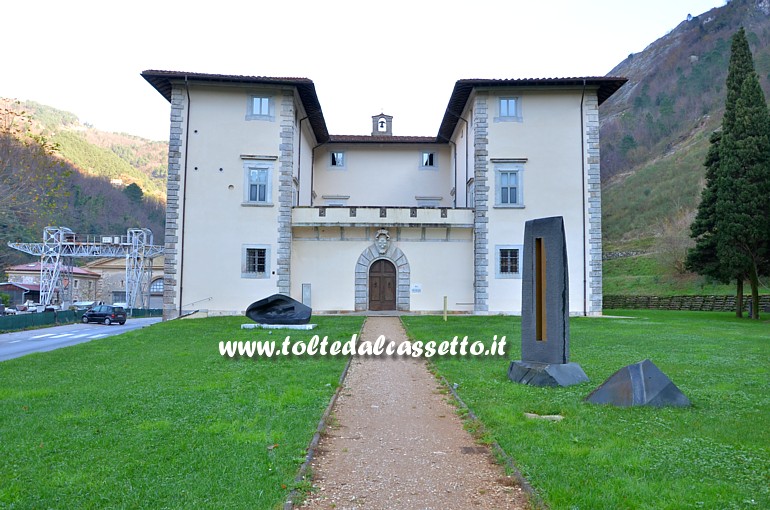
[695,303]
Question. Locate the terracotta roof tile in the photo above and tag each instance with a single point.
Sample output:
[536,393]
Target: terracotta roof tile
[381,139]
[35,267]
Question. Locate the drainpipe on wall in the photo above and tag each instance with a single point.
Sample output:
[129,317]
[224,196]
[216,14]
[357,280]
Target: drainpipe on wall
[299,158]
[184,196]
[583,181]
[467,136]
[454,199]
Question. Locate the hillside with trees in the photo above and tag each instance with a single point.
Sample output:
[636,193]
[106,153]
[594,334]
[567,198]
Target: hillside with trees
[655,134]
[116,156]
[94,189]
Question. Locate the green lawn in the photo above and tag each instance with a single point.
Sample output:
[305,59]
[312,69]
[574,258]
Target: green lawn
[715,454]
[156,418]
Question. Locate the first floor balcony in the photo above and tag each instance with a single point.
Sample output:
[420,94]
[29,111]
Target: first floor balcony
[376,216]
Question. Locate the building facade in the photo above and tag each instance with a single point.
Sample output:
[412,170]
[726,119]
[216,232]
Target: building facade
[262,200]
[111,286]
[83,284]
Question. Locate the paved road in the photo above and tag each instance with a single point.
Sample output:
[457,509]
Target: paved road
[20,343]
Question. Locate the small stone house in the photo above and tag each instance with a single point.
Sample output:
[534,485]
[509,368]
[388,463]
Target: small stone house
[84,282]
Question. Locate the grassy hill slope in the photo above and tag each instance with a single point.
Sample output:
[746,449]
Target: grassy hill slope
[115,156]
[655,129]
[655,134]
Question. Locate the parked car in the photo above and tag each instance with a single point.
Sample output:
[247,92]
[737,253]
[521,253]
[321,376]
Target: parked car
[106,314]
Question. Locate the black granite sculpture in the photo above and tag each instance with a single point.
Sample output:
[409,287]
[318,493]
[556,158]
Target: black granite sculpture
[640,384]
[545,309]
[279,309]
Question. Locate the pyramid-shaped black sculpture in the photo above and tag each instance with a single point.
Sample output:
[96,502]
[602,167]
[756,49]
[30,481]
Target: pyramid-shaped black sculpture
[640,384]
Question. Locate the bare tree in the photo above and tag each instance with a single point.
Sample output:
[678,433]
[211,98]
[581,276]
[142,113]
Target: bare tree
[673,241]
[31,177]
[28,173]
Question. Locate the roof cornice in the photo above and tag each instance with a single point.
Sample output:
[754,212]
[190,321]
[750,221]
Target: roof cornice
[162,82]
[606,86]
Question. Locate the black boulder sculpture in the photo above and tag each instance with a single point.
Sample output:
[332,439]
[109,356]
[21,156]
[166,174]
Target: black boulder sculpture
[279,309]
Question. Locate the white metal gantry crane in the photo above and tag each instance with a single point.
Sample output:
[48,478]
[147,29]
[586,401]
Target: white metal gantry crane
[60,245]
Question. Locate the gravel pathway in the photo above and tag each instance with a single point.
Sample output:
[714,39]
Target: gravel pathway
[395,443]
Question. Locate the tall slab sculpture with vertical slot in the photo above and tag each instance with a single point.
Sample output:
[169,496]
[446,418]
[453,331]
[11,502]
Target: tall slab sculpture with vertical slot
[545,309]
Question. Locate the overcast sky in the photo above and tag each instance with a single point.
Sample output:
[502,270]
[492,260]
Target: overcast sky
[397,56]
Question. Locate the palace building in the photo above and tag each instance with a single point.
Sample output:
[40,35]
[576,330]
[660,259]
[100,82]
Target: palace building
[263,200]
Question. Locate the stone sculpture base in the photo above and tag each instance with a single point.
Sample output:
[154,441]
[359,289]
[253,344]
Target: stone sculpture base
[304,327]
[546,374]
[640,384]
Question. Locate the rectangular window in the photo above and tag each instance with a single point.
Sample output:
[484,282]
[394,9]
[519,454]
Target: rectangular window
[509,187]
[508,106]
[258,185]
[255,261]
[259,107]
[338,159]
[428,160]
[509,110]
[508,261]
[509,190]
[257,177]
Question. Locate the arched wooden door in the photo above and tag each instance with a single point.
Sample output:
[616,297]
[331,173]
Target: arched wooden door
[382,285]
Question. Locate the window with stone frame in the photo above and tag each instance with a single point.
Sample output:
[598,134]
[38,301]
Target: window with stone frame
[428,161]
[259,107]
[337,159]
[255,261]
[508,263]
[156,287]
[509,109]
[257,185]
[509,181]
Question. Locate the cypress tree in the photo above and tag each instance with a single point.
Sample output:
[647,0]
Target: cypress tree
[702,258]
[732,226]
[743,188]
[741,65]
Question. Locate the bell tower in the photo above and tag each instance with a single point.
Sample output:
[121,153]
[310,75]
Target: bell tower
[382,125]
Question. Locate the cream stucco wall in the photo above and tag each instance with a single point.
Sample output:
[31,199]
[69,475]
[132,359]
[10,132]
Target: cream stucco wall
[547,141]
[218,224]
[438,267]
[377,175]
